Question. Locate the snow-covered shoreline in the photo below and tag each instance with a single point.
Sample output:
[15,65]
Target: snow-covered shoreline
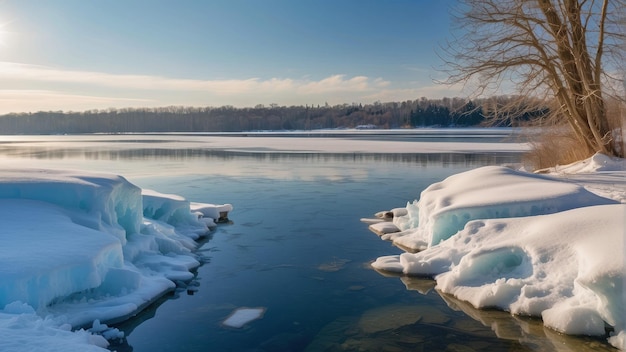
[549,246]
[79,248]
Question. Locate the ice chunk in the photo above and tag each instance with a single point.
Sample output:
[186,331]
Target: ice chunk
[384,227]
[105,331]
[619,340]
[241,316]
[50,257]
[575,320]
[96,200]
[171,209]
[410,219]
[23,330]
[211,211]
[399,212]
[18,307]
[371,221]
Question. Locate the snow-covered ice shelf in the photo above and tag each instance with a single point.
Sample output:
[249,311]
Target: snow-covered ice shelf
[532,245]
[77,248]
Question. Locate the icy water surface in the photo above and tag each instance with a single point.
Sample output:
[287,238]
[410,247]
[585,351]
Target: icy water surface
[295,249]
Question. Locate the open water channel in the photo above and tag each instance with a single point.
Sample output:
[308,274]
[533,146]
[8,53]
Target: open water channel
[295,246]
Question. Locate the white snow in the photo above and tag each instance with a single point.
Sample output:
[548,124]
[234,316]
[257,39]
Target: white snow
[485,193]
[77,248]
[242,316]
[21,329]
[383,227]
[528,244]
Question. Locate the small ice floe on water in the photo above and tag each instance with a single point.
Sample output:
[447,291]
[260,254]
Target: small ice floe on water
[383,228]
[370,221]
[242,316]
[383,224]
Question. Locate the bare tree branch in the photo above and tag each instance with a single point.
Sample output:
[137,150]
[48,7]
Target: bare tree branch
[560,50]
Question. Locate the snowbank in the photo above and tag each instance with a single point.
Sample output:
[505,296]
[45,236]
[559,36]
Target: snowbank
[485,193]
[78,248]
[597,163]
[524,243]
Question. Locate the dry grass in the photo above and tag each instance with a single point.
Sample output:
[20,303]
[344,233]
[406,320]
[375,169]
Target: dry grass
[616,113]
[557,145]
[554,145]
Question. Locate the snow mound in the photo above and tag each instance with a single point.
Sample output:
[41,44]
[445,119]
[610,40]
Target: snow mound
[79,247]
[485,193]
[524,243]
[597,163]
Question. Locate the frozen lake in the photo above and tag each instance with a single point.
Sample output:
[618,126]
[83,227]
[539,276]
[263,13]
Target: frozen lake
[295,246]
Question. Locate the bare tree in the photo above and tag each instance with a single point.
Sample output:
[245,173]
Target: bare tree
[566,52]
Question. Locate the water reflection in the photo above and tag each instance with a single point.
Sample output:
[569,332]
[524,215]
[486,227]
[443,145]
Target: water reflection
[408,327]
[190,154]
[142,162]
[527,331]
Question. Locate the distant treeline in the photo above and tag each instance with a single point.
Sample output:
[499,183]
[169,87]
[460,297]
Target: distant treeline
[446,112]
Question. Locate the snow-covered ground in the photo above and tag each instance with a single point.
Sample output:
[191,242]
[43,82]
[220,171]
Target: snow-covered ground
[80,248]
[543,245]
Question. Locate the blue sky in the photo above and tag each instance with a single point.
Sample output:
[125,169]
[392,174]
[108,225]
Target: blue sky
[78,55]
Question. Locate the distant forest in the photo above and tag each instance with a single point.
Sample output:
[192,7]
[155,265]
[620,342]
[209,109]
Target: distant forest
[446,112]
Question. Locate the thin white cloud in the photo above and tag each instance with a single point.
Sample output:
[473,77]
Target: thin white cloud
[335,83]
[37,73]
[34,87]
[8,94]
[14,100]
[436,91]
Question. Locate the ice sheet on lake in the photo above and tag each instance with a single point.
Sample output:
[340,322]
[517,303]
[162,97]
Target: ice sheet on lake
[76,247]
[524,243]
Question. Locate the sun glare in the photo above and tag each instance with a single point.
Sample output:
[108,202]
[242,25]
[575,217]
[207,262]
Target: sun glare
[4,34]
